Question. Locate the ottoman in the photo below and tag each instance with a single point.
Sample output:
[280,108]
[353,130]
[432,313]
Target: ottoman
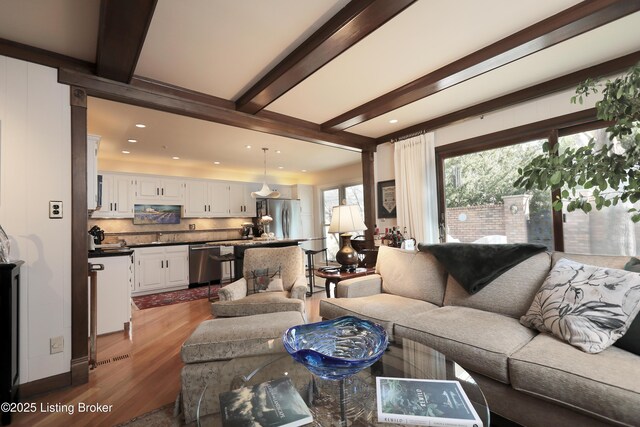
[221,349]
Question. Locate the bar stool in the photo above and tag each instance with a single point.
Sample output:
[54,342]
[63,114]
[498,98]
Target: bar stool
[311,266]
[221,259]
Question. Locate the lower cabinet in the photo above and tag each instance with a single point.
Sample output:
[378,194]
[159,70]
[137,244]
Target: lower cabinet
[161,269]
[114,293]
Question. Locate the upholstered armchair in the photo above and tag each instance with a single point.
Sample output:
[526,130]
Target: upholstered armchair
[239,299]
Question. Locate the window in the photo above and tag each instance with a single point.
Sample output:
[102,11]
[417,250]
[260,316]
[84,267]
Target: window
[354,195]
[608,231]
[481,204]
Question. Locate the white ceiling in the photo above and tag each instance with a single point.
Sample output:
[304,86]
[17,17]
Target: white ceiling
[222,47]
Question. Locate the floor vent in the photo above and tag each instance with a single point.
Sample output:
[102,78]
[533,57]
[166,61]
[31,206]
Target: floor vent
[113,359]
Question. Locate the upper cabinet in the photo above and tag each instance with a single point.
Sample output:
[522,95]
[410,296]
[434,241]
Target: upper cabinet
[208,199]
[159,190]
[117,197]
[93,142]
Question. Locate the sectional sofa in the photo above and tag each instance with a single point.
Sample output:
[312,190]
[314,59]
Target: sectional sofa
[531,378]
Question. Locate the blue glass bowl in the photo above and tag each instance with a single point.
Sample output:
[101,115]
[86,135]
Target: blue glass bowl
[335,349]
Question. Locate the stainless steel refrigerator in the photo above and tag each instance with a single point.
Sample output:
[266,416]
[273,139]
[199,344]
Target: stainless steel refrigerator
[287,222]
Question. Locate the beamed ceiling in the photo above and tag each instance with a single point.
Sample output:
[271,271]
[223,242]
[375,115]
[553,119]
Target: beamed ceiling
[319,81]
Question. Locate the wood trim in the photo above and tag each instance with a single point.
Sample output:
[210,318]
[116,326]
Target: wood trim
[158,98]
[517,134]
[576,20]
[539,90]
[121,32]
[47,58]
[558,229]
[44,385]
[79,246]
[351,24]
[369,193]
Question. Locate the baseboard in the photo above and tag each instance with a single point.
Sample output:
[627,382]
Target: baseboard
[45,385]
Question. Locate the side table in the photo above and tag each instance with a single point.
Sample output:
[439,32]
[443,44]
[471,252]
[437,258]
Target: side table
[336,276]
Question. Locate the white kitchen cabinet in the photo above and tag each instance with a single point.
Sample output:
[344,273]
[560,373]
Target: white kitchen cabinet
[305,194]
[159,190]
[241,204]
[93,143]
[216,199]
[114,293]
[117,197]
[161,268]
[284,190]
[219,198]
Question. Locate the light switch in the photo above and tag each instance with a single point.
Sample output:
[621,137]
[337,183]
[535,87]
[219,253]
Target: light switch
[55,209]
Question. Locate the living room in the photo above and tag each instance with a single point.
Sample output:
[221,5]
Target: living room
[524,99]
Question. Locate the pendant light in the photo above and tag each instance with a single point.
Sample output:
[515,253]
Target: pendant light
[265,191]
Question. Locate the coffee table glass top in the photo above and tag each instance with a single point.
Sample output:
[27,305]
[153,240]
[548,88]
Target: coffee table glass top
[336,403]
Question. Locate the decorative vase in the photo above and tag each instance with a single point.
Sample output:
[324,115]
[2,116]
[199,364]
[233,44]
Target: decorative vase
[347,257]
[5,246]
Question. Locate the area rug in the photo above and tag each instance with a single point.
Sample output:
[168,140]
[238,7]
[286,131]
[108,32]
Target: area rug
[174,297]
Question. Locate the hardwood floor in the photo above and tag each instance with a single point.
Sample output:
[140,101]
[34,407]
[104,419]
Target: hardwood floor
[142,369]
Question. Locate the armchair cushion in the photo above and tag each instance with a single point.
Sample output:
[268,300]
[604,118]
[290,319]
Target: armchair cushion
[261,303]
[289,259]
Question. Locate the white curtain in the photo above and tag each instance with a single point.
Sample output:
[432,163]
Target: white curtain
[416,189]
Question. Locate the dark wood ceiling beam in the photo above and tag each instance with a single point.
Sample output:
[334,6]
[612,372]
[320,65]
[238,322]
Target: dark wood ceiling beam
[555,85]
[121,33]
[351,24]
[569,23]
[169,99]
[43,57]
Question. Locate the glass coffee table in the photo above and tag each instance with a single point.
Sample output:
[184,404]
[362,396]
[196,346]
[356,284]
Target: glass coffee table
[350,402]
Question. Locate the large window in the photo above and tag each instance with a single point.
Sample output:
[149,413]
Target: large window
[354,195]
[607,231]
[481,204]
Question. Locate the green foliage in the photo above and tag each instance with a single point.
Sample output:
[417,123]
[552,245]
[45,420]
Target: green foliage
[610,170]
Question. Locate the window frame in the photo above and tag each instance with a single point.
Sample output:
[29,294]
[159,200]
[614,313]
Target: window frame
[550,129]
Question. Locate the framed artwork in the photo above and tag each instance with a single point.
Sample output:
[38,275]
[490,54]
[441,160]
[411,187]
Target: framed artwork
[156,214]
[387,199]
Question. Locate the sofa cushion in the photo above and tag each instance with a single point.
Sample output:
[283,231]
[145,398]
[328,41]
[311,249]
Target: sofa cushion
[219,339]
[410,274]
[587,306]
[383,309]
[260,303]
[509,294]
[478,340]
[606,384]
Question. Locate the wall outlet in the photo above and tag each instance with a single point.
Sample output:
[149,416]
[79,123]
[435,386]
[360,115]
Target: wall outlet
[192,226]
[56,345]
[55,209]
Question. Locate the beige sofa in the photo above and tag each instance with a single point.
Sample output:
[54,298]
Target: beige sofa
[530,378]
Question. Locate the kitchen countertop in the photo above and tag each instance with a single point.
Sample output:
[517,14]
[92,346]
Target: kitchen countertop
[101,253]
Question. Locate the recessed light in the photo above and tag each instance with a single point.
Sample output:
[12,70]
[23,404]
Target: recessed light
[280,167]
[247,146]
[303,170]
[133,141]
[393,121]
[278,151]
[140,125]
[176,158]
[126,152]
[216,163]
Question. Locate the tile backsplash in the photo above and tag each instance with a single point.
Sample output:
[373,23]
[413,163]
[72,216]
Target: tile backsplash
[206,229]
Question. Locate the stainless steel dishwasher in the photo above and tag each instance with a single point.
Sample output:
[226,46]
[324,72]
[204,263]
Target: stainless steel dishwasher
[202,269]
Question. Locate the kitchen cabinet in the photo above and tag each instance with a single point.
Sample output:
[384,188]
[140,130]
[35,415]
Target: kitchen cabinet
[117,197]
[93,143]
[209,199]
[114,293]
[305,194]
[159,190]
[159,269]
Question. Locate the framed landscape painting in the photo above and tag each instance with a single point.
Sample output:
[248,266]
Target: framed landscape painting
[387,199]
[156,214]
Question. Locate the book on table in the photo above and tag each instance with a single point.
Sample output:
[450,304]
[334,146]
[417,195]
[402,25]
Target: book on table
[424,402]
[274,403]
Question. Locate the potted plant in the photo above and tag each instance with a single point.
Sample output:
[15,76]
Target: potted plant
[611,171]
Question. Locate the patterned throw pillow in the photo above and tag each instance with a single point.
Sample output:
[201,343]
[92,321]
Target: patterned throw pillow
[261,279]
[587,306]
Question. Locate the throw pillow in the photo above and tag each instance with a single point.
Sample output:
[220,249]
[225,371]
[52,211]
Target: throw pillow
[587,306]
[630,341]
[261,279]
[275,285]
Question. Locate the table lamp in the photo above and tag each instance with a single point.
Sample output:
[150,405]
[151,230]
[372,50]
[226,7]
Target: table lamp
[346,219]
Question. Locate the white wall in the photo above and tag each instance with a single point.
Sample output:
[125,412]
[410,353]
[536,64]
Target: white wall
[35,167]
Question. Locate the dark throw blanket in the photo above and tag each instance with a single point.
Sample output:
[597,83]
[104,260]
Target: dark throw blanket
[476,265]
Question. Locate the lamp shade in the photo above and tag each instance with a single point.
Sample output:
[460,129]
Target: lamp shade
[346,218]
